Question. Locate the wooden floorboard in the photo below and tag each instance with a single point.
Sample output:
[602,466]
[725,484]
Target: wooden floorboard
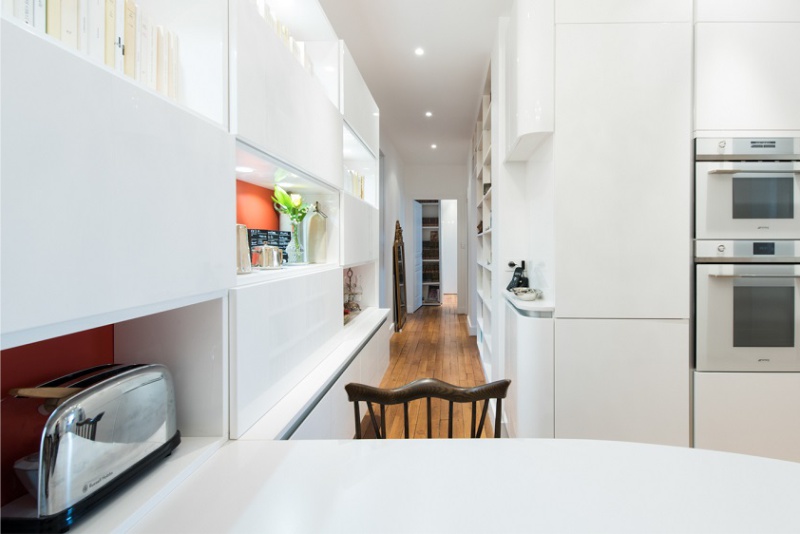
[435,342]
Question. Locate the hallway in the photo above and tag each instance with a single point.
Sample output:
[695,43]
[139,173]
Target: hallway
[434,343]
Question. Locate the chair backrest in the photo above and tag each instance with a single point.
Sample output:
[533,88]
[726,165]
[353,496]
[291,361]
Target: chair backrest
[427,388]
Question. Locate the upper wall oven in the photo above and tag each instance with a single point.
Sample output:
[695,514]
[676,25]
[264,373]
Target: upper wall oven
[747,188]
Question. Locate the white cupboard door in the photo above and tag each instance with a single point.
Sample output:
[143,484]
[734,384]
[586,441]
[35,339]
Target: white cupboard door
[622,160]
[748,413]
[624,380]
[614,11]
[747,77]
[747,11]
[359,231]
[101,179]
[357,105]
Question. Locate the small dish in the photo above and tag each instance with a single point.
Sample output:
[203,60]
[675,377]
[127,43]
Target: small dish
[526,293]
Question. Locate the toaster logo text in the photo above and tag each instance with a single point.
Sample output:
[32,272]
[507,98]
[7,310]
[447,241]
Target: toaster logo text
[91,485]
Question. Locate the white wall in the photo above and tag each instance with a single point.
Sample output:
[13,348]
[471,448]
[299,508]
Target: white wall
[393,210]
[449,246]
[441,182]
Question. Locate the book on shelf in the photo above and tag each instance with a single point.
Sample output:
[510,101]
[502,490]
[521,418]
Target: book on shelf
[110,36]
[129,39]
[40,15]
[96,29]
[69,23]
[53,22]
[83,26]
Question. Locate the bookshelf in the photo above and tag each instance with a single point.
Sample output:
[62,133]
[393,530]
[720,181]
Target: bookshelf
[431,253]
[482,176]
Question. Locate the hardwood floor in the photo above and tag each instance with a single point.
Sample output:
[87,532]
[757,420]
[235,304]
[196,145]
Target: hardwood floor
[435,343]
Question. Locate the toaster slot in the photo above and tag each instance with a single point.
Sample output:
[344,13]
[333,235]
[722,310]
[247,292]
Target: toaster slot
[60,381]
[105,375]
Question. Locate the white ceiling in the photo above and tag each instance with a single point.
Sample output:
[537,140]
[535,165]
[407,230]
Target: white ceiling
[457,36]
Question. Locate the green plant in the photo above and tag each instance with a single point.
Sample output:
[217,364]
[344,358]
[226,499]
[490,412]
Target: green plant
[291,204]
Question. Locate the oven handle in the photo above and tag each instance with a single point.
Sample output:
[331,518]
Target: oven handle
[722,275]
[742,171]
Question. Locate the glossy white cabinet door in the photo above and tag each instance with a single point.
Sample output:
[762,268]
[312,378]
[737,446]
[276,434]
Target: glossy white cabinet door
[102,183]
[277,105]
[277,331]
[625,380]
[747,11]
[358,107]
[359,231]
[622,160]
[611,11]
[747,76]
[529,77]
[749,413]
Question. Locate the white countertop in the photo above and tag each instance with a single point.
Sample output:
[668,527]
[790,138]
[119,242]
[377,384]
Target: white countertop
[540,306]
[485,486]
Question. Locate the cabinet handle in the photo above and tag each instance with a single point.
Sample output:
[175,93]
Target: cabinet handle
[742,171]
[722,275]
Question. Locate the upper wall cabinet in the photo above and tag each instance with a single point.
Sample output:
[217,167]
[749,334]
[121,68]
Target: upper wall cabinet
[747,11]
[529,71]
[277,105]
[359,238]
[100,177]
[743,80]
[358,107]
[604,11]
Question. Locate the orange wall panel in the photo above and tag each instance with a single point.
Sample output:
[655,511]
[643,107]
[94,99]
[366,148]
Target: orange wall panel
[254,207]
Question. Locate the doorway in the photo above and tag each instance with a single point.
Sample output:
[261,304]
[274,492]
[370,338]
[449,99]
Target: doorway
[435,265]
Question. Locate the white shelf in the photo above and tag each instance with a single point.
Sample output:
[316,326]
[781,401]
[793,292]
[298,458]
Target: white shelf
[259,276]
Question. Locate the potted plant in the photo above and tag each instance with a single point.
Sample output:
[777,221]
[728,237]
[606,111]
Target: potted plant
[292,205]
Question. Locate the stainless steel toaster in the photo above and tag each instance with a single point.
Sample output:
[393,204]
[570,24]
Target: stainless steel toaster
[111,423]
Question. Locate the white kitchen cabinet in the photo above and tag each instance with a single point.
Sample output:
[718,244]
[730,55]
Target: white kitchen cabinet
[332,417]
[280,331]
[359,231]
[277,106]
[625,380]
[357,105]
[622,161]
[612,11]
[529,77]
[747,11]
[102,179]
[529,405]
[745,79]
[748,413]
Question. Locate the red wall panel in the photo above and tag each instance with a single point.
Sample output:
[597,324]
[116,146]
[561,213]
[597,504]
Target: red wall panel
[254,207]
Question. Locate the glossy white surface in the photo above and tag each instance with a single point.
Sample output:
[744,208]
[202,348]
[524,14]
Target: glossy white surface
[533,485]
[99,179]
[623,171]
[359,234]
[750,413]
[279,331]
[623,380]
[277,105]
[529,364]
[747,11]
[611,11]
[357,105]
[743,80]
[529,77]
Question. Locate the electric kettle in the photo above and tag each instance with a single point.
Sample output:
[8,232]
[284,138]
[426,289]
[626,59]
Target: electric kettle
[267,257]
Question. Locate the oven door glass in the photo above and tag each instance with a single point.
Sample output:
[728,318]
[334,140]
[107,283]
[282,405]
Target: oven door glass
[747,200]
[747,317]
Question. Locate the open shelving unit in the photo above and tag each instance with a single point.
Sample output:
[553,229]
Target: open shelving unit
[431,289]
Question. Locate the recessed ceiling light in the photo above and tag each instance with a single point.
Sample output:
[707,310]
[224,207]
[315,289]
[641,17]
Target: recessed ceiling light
[244,170]
[433,147]
[428,114]
[419,51]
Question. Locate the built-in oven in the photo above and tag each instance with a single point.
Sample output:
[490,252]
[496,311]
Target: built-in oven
[747,305]
[747,188]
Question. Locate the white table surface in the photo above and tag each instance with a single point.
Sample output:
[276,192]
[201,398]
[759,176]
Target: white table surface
[484,486]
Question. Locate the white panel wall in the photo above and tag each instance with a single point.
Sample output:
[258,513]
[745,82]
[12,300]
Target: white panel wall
[748,413]
[276,330]
[277,105]
[193,343]
[100,177]
[744,79]
[448,222]
[622,380]
[747,11]
[610,11]
[623,170]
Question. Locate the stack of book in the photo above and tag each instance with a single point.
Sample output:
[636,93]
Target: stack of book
[117,33]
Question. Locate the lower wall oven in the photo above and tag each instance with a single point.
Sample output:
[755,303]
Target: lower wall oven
[748,305]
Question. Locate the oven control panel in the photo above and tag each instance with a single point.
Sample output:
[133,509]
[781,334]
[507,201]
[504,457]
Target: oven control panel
[748,251]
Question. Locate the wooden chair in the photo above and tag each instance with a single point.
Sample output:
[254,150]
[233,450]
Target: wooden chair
[427,388]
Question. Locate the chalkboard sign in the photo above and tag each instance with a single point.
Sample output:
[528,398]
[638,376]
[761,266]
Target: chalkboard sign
[275,238]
